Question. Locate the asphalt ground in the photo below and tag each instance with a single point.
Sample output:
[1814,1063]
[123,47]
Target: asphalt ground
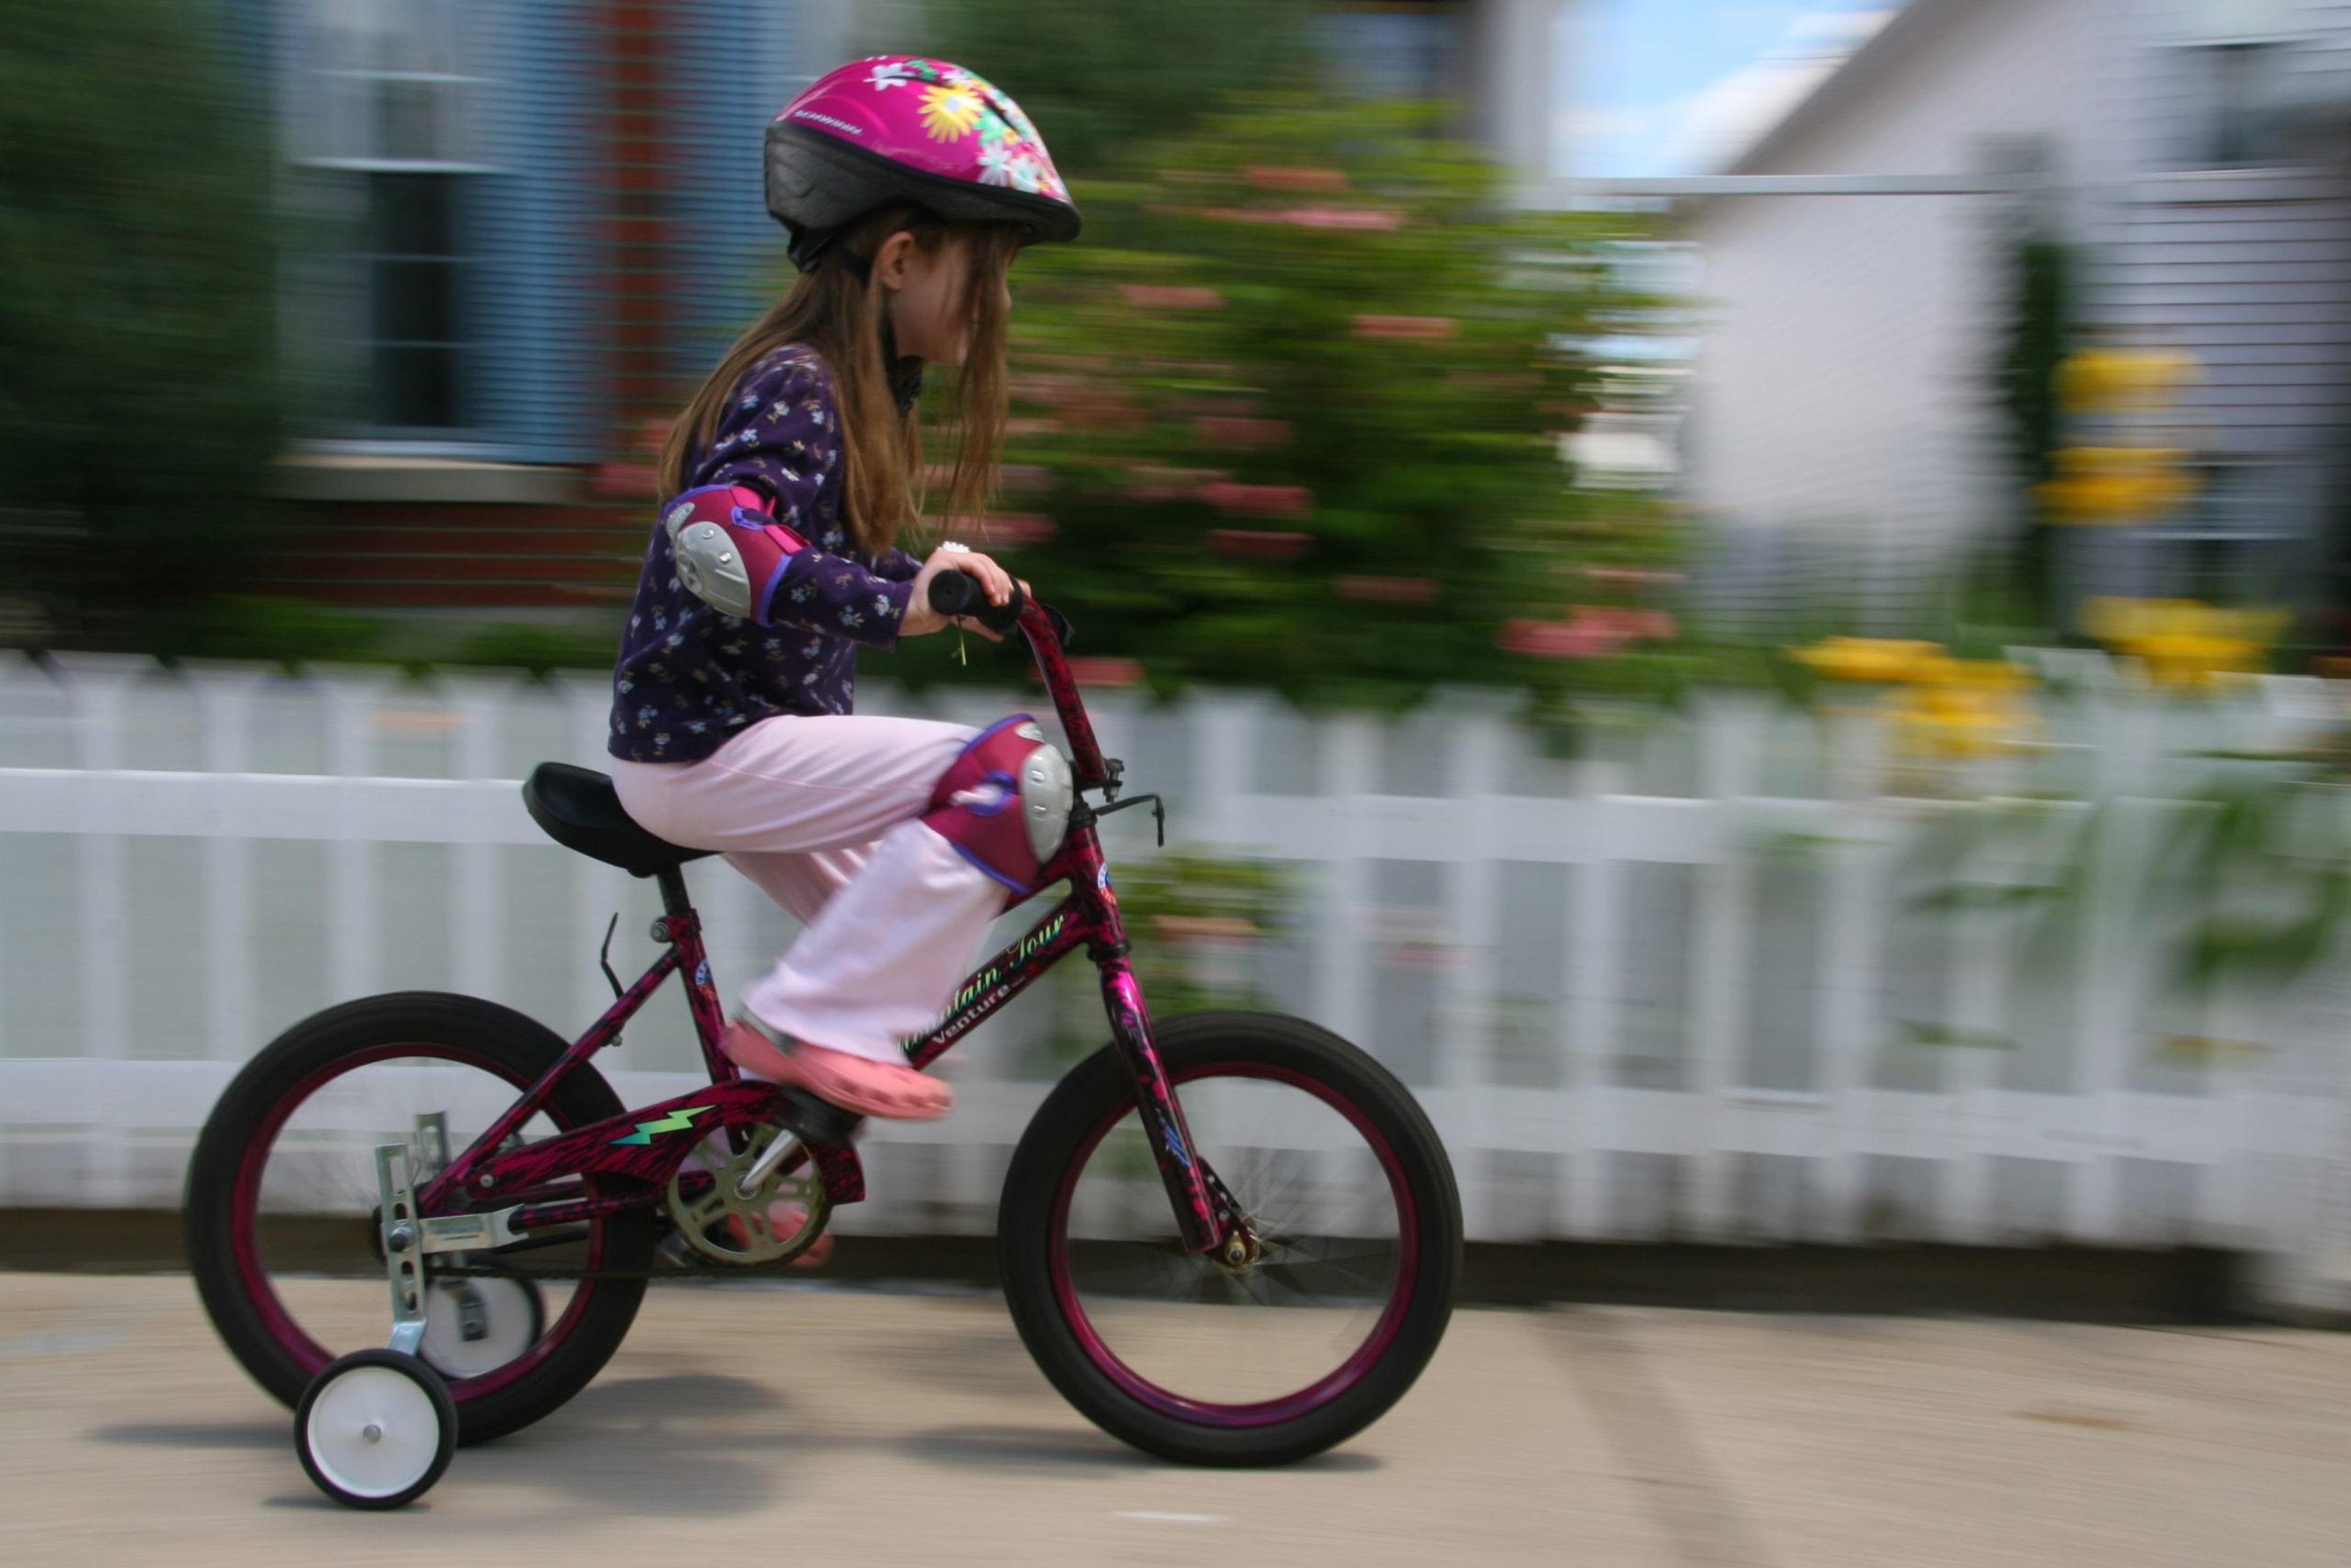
[839,1423]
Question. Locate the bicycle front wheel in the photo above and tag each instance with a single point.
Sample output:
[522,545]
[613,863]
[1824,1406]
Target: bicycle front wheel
[1345,1186]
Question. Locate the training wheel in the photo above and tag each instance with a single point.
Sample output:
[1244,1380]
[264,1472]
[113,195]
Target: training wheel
[375,1429]
[475,1323]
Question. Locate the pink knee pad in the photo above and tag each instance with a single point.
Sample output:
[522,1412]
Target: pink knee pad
[730,552]
[1004,802]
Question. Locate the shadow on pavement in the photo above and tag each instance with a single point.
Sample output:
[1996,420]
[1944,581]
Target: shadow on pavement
[202,1434]
[1026,1448]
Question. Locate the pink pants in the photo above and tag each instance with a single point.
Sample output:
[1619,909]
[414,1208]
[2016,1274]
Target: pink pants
[822,812]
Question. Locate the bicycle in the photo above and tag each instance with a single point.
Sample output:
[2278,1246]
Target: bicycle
[467,1158]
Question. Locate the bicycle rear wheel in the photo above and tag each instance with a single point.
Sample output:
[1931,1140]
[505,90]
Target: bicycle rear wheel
[281,1199]
[1347,1188]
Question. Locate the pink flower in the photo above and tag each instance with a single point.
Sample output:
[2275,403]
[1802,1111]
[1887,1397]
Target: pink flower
[1279,177]
[1237,431]
[1260,501]
[1552,640]
[1377,218]
[1409,326]
[1324,217]
[1170,297]
[1150,482]
[1389,589]
[1009,530]
[1634,575]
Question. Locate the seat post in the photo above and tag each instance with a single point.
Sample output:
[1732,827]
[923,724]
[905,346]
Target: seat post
[671,883]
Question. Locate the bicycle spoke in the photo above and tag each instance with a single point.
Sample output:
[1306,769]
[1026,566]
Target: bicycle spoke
[1325,1215]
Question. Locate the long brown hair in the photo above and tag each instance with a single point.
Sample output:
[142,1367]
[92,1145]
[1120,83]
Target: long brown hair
[839,314]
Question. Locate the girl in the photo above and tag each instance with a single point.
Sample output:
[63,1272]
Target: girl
[907,185]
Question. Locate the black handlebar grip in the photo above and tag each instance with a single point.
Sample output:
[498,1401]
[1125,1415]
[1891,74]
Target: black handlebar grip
[955,593]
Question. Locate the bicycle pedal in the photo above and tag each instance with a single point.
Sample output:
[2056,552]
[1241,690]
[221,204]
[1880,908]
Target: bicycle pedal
[815,1121]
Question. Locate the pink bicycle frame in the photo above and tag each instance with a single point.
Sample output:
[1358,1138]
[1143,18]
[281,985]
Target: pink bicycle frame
[649,1145]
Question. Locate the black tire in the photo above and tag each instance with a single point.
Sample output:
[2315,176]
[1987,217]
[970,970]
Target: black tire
[483,1034]
[321,1470]
[1064,1127]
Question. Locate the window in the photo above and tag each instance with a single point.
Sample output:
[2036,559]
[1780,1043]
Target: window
[2238,111]
[2237,62]
[385,100]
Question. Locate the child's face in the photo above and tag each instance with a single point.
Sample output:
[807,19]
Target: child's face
[930,307]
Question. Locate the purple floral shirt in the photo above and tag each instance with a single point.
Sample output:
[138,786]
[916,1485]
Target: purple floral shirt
[690,678]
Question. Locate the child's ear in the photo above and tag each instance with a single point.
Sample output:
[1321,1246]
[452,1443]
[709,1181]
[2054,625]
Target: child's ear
[891,261]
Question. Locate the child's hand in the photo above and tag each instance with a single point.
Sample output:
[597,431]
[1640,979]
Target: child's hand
[920,618]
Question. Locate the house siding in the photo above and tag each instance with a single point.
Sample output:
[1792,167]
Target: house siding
[1845,382]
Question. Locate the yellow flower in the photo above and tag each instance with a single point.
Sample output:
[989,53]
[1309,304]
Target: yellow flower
[1937,720]
[2184,642]
[2113,380]
[1868,658]
[2116,484]
[950,112]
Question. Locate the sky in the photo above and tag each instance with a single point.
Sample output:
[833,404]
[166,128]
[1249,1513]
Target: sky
[1681,87]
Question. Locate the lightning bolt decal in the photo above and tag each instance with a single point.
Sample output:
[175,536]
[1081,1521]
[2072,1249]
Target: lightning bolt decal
[675,1121]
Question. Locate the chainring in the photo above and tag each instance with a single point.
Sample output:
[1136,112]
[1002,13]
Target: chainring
[728,1225]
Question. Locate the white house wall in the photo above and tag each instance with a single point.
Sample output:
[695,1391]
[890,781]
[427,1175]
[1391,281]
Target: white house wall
[1841,385]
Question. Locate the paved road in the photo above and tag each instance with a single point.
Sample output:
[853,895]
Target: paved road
[768,1424]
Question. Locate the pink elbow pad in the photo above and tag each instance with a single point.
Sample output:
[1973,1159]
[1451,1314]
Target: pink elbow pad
[730,552]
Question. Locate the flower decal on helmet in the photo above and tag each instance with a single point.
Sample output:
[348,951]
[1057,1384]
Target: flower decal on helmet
[950,111]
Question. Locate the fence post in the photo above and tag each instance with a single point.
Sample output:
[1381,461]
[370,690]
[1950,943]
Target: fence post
[224,705]
[352,938]
[1721,960]
[1348,745]
[98,687]
[478,962]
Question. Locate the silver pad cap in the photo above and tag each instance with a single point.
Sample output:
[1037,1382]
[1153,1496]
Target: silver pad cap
[1045,798]
[711,567]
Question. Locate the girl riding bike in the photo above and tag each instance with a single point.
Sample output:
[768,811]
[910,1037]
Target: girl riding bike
[907,186]
[1228,1237]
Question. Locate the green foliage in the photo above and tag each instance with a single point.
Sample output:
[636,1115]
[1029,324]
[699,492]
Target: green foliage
[2252,886]
[289,633]
[2039,332]
[1178,905]
[1291,410]
[1102,78]
[539,649]
[137,391]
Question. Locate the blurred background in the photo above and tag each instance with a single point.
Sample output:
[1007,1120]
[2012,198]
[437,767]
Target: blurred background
[1751,595]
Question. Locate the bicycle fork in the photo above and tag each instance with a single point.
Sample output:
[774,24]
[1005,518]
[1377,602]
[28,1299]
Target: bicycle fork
[1210,1221]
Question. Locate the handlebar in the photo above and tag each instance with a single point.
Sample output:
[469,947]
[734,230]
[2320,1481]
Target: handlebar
[957,593]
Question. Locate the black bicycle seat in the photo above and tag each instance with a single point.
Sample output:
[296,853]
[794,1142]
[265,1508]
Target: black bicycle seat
[578,810]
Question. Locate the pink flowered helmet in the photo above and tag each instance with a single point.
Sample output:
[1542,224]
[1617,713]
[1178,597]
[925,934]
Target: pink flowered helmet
[898,128]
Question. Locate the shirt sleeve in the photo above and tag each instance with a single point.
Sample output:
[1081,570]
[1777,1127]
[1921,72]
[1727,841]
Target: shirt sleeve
[780,435]
[897,566]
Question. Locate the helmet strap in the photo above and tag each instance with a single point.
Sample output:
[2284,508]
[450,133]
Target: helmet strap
[809,252]
[905,369]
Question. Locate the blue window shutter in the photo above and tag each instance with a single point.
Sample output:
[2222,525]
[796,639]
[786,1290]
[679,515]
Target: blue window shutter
[535,382]
[736,63]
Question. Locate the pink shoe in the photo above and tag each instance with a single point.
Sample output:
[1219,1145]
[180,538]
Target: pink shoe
[858,1083]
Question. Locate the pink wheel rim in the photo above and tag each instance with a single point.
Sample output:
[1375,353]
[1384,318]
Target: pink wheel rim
[1260,1412]
[245,1241]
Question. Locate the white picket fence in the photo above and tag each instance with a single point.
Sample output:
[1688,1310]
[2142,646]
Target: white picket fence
[1662,991]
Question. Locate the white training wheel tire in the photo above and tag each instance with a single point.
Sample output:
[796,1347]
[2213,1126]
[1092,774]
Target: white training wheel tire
[375,1429]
